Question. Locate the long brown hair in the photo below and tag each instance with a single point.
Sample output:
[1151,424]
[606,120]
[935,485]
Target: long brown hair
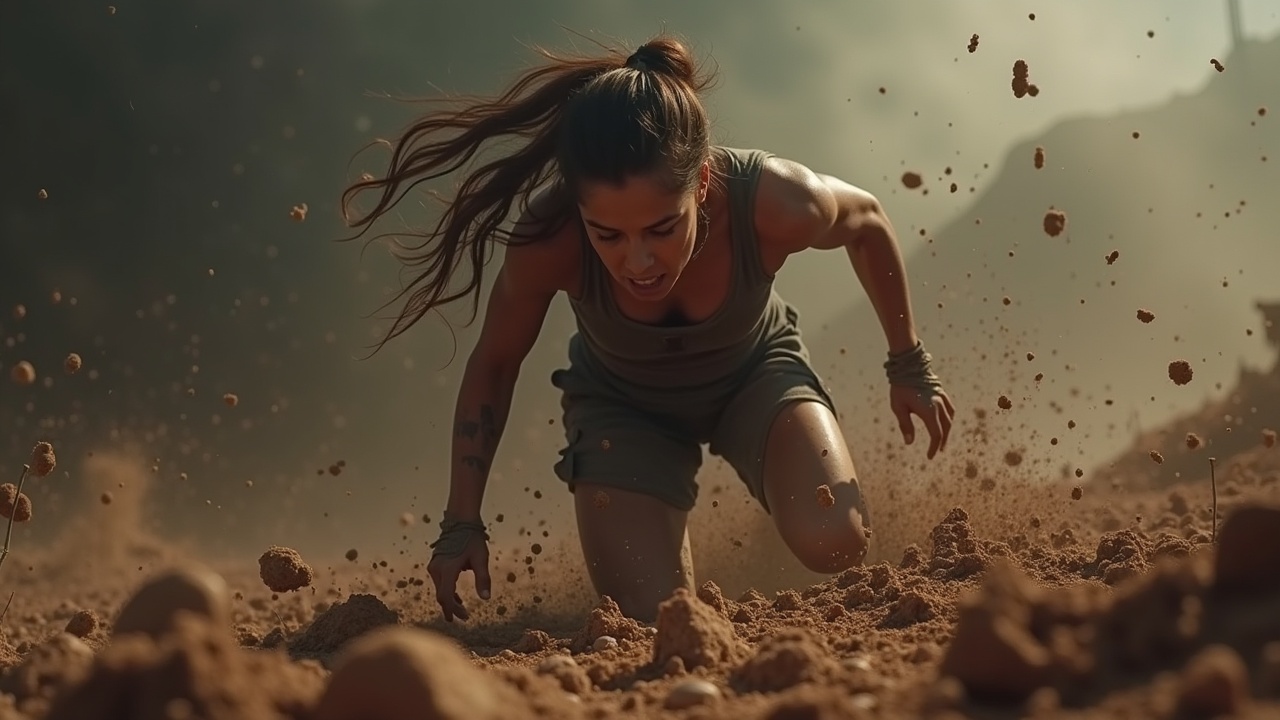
[585,119]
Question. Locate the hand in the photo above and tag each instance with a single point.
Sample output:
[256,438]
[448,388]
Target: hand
[934,408]
[444,572]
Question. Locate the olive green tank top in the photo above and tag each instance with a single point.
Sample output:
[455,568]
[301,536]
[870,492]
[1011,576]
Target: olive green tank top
[709,358]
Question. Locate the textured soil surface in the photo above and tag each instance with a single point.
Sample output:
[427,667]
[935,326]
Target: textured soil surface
[1097,604]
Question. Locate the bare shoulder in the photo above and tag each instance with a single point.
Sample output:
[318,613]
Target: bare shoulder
[546,256]
[796,207]
[793,205]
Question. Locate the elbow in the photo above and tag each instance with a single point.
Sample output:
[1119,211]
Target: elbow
[493,368]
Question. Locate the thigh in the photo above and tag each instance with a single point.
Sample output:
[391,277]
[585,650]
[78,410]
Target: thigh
[781,435]
[636,547]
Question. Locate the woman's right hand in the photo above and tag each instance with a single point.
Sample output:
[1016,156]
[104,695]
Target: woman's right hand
[445,570]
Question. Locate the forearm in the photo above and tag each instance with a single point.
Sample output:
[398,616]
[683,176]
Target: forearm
[480,416]
[878,264]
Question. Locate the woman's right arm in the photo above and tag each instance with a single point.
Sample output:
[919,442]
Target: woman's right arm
[529,279]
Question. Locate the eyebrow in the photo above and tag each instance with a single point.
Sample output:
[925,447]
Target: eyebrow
[670,218]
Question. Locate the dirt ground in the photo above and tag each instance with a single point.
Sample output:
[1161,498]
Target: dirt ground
[1081,601]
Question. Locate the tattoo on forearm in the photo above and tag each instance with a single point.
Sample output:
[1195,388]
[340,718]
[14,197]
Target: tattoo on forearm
[484,433]
[466,429]
[476,463]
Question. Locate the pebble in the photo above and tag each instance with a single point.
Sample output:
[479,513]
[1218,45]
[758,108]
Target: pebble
[691,692]
[604,642]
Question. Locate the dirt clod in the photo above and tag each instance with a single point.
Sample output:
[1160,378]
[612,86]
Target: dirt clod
[825,498]
[1055,222]
[1180,372]
[14,506]
[283,570]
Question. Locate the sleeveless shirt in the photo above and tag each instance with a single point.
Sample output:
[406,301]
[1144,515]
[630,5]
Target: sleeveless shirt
[665,368]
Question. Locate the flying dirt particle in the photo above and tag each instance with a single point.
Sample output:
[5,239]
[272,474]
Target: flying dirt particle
[692,691]
[1151,33]
[1031,17]
[1262,111]
[987,484]
[973,43]
[299,212]
[231,399]
[84,623]
[1268,438]
[1004,403]
[1216,65]
[72,364]
[43,461]
[912,180]
[1136,134]
[1039,377]
[1112,257]
[605,444]
[883,90]
[14,506]
[352,554]
[43,194]
[106,498]
[1055,221]
[1193,441]
[111,9]
[24,373]
[536,549]
[1013,458]
[1031,356]
[1006,300]
[970,470]
[1146,316]
[1039,158]
[1077,492]
[182,476]
[335,470]
[282,569]
[19,312]
[1156,457]
[825,498]
[1071,424]
[1180,372]
[407,519]
[1079,473]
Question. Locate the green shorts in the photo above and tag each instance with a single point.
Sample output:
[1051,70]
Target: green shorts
[612,440]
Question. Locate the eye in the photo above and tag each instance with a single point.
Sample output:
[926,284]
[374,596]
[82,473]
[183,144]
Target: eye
[607,237]
[665,233]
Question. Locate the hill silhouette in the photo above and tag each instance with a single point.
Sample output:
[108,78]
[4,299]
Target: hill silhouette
[1180,190]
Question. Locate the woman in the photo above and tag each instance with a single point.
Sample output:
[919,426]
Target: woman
[666,247]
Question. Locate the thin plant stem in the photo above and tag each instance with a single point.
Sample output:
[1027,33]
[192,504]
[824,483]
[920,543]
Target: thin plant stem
[8,533]
[1212,479]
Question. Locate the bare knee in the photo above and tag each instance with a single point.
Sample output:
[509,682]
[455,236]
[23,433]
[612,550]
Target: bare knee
[830,550]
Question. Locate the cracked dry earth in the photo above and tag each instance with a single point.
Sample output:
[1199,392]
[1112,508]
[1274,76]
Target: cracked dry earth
[1122,607]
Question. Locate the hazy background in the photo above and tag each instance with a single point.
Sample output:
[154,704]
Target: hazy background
[173,138]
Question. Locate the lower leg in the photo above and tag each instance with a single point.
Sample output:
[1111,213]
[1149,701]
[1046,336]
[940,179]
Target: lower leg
[636,547]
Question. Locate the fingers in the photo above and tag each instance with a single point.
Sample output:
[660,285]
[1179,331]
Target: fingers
[446,581]
[483,582]
[934,425]
[903,413]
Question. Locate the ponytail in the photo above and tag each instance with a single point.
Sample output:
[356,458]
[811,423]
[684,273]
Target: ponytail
[582,119]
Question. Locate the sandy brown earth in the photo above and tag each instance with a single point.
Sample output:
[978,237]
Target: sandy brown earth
[1086,602]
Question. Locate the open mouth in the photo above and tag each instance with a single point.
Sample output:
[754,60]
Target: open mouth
[647,283]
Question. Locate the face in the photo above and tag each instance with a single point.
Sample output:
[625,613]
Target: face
[643,232]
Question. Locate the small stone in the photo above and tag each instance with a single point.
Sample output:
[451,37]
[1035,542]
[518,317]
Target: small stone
[604,642]
[691,692]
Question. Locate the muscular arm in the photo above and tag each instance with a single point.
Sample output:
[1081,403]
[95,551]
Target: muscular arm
[798,209]
[528,280]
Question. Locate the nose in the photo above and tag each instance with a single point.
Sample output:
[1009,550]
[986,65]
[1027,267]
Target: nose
[639,257]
